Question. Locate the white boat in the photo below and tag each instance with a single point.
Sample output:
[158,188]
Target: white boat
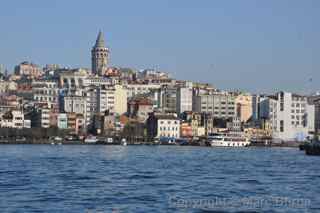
[228,140]
[91,139]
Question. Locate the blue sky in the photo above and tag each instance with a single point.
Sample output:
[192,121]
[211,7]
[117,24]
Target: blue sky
[259,46]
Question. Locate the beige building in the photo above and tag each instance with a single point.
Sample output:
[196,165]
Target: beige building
[72,79]
[29,70]
[243,104]
[6,86]
[120,102]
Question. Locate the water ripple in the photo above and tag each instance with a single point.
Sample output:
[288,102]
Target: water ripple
[154,179]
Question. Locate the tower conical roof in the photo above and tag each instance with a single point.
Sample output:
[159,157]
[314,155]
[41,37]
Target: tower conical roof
[100,40]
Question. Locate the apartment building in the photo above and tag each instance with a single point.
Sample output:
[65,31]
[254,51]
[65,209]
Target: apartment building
[220,105]
[291,116]
[184,99]
[138,89]
[12,119]
[45,92]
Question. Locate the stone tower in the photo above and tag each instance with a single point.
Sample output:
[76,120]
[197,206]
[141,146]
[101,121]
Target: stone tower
[99,56]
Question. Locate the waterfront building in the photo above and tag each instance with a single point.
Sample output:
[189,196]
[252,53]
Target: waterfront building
[220,105]
[28,70]
[45,117]
[27,123]
[80,124]
[235,124]
[200,123]
[72,121]
[99,56]
[316,101]
[168,126]
[140,107]
[62,121]
[163,125]
[291,116]
[186,130]
[109,123]
[317,115]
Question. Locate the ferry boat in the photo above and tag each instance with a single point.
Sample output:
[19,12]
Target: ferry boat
[228,140]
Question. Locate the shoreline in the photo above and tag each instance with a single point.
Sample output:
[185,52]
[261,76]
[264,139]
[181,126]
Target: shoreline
[129,143]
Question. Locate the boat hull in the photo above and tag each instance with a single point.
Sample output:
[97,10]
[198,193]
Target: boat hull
[229,144]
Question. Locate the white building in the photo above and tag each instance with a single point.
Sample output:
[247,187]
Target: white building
[72,79]
[76,104]
[92,106]
[106,99]
[45,118]
[98,81]
[112,98]
[45,92]
[168,126]
[137,89]
[290,115]
[184,99]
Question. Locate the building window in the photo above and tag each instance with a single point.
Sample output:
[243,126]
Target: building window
[281,126]
[281,106]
